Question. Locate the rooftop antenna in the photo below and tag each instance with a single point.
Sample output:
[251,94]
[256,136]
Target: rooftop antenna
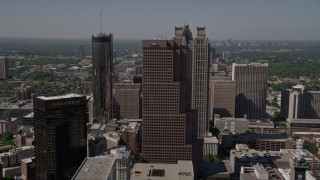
[100,21]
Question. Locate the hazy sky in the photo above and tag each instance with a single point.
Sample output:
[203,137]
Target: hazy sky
[142,19]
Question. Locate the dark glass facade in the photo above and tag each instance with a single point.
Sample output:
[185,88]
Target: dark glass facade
[102,57]
[60,135]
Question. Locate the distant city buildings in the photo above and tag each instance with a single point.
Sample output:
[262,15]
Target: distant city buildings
[79,53]
[23,92]
[4,67]
[60,135]
[102,59]
[251,89]
[169,125]
[226,56]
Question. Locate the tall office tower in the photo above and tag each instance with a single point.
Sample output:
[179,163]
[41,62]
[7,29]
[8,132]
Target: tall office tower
[60,135]
[127,101]
[284,104]
[169,125]
[226,56]
[299,103]
[102,59]
[295,106]
[80,52]
[199,58]
[251,89]
[213,55]
[222,97]
[4,67]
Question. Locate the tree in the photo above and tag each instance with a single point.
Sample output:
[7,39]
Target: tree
[308,146]
[211,158]
[8,177]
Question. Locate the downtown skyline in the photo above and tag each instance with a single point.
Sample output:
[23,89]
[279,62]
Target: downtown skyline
[245,20]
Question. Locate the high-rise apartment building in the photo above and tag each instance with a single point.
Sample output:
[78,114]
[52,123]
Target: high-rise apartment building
[198,67]
[102,58]
[60,135]
[169,131]
[127,101]
[4,67]
[251,89]
[222,97]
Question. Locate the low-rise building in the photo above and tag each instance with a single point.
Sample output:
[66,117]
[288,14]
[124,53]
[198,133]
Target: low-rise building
[8,125]
[261,142]
[252,164]
[28,169]
[101,167]
[231,124]
[210,145]
[130,130]
[183,170]
[113,164]
[256,172]
[303,125]
[14,156]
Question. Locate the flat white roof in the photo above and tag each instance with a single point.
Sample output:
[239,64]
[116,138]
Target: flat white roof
[94,168]
[59,97]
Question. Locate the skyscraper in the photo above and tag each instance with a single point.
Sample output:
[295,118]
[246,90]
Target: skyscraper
[60,135]
[102,59]
[222,97]
[80,52]
[198,60]
[251,89]
[299,103]
[127,101]
[169,131]
[4,67]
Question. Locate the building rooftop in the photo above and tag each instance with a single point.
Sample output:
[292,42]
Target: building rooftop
[279,158]
[304,121]
[95,168]
[29,116]
[27,160]
[251,64]
[242,147]
[181,171]
[212,139]
[257,136]
[59,97]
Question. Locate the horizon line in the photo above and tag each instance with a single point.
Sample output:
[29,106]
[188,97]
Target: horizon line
[135,39]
